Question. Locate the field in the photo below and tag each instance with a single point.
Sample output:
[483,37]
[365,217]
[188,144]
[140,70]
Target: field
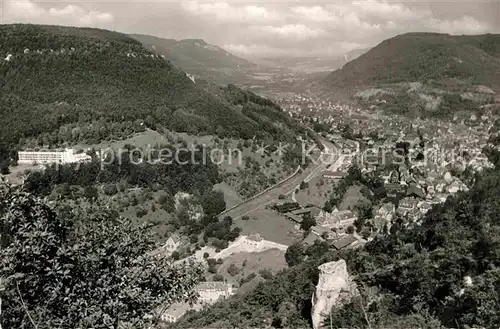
[317,192]
[143,139]
[352,197]
[158,217]
[231,197]
[270,225]
[248,263]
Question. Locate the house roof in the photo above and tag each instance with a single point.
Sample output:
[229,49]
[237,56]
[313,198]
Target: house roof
[175,237]
[392,186]
[289,206]
[319,230]
[313,210]
[345,214]
[333,174]
[325,218]
[294,217]
[425,205]
[386,208]
[310,238]
[407,203]
[343,242]
[415,191]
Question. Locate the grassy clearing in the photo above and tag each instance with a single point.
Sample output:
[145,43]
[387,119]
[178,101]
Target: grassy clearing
[270,225]
[351,198]
[143,139]
[231,197]
[316,193]
[248,263]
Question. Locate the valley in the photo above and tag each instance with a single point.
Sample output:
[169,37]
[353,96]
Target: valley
[163,183]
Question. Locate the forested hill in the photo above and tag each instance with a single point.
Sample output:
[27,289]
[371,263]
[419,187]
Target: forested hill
[424,56]
[201,59]
[193,53]
[64,84]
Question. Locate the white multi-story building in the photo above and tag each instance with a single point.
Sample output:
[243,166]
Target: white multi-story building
[52,156]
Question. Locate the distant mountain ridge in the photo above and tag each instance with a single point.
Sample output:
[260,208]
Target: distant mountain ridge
[424,74]
[424,56]
[197,57]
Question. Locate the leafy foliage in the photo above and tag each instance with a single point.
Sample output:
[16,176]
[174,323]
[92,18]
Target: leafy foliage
[213,203]
[294,254]
[308,221]
[81,266]
[184,175]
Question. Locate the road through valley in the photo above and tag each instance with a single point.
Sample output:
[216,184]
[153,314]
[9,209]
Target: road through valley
[328,157]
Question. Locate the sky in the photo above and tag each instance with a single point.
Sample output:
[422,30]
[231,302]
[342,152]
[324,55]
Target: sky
[264,29]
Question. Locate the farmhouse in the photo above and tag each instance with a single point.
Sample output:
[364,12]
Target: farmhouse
[313,210]
[287,207]
[294,218]
[343,242]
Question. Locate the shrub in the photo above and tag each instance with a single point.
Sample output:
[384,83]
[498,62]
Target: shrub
[266,274]
[141,212]
[193,239]
[218,278]
[249,278]
[212,269]
[110,189]
[233,270]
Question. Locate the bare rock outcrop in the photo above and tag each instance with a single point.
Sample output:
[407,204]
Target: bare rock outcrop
[334,289]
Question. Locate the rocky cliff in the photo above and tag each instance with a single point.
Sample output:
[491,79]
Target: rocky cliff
[334,289]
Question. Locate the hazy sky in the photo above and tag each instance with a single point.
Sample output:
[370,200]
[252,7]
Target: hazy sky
[266,28]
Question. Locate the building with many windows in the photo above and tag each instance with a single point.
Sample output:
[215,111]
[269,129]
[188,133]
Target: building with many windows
[52,156]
